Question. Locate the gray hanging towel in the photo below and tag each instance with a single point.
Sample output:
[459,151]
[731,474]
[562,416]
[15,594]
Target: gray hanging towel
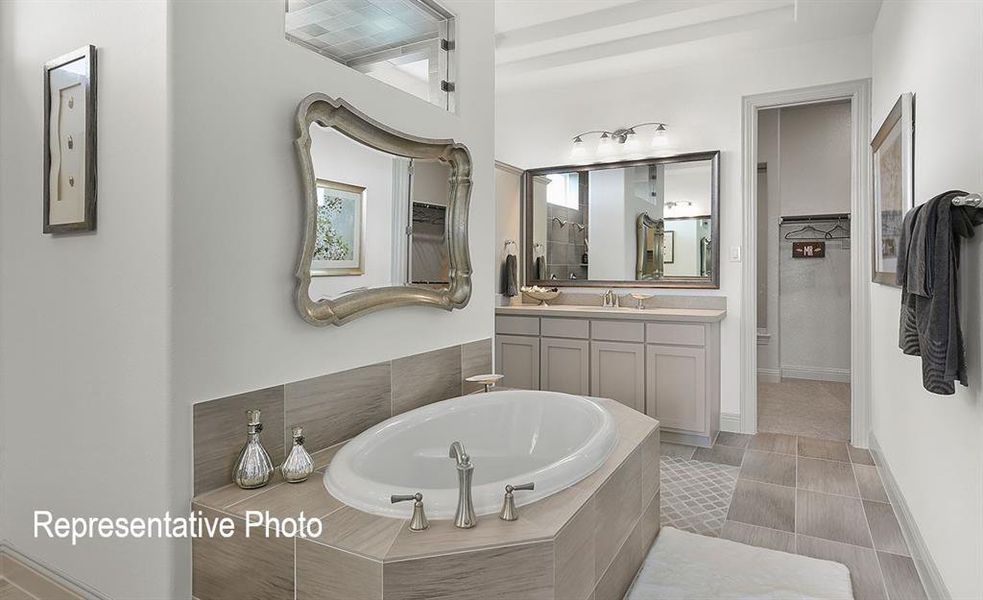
[510,276]
[927,272]
[541,268]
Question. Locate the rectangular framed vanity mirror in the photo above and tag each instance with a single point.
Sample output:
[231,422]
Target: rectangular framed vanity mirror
[651,222]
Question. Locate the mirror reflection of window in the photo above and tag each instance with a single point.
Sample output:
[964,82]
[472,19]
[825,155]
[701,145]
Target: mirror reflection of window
[407,44]
[564,190]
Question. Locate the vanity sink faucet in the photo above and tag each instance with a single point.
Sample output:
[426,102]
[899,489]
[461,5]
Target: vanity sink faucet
[610,299]
[464,517]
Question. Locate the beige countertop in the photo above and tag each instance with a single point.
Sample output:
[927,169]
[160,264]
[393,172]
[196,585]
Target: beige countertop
[700,315]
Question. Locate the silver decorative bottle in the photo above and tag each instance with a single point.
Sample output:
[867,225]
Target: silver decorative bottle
[253,468]
[299,464]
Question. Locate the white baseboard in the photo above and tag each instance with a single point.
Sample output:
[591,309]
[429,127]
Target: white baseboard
[41,580]
[816,373]
[769,376]
[730,422]
[935,587]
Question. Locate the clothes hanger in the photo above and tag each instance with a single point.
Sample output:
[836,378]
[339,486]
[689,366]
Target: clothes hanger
[822,234]
[830,236]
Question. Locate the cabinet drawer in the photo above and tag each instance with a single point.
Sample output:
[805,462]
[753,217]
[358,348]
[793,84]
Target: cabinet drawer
[516,325]
[618,331]
[677,334]
[566,328]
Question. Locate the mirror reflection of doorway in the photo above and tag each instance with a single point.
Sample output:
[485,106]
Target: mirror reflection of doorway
[429,261]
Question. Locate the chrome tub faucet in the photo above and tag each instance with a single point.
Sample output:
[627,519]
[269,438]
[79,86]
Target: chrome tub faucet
[464,517]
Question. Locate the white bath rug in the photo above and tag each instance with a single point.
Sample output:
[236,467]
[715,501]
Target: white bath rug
[696,494]
[684,565]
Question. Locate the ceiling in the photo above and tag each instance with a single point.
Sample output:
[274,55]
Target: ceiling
[541,42]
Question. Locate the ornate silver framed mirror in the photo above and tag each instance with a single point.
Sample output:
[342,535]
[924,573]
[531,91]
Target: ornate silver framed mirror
[386,216]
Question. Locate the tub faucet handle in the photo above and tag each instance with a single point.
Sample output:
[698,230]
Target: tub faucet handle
[509,512]
[419,520]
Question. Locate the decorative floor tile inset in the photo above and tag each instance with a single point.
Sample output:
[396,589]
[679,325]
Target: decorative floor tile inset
[696,495]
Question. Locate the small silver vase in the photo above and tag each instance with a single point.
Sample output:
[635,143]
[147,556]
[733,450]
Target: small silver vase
[253,468]
[299,464]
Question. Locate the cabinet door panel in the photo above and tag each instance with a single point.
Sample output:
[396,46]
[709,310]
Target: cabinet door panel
[565,366]
[617,371]
[517,358]
[676,386]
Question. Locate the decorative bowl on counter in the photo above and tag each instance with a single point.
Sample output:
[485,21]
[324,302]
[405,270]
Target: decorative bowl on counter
[640,299]
[544,295]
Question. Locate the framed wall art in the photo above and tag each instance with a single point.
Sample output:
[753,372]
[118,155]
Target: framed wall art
[70,142]
[338,246]
[669,247]
[892,197]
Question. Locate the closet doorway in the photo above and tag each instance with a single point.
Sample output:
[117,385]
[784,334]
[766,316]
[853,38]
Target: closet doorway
[803,248]
[806,280]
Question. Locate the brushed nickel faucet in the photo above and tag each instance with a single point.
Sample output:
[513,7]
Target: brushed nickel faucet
[509,513]
[464,517]
[419,521]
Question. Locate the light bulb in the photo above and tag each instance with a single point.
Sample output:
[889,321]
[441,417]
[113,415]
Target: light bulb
[604,146]
[579,149]
[660,138]
[631,143]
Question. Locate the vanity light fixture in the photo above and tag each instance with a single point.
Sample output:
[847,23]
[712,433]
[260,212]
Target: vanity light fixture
[626,138]
[673,204]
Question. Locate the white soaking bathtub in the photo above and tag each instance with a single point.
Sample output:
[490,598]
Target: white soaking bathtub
[512,437]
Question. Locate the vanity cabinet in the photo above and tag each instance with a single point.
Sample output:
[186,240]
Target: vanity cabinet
[518,360]
[564,366]
[667,368]
[676,378]
[617,371]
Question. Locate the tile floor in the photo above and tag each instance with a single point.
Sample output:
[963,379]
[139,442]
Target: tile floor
[696,495]
[816,497]
[805,407]
[9,591]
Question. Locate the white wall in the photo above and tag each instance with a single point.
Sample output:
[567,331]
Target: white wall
[686,247]
[236,86]
[934,444]
[815,159]
[84,337]
[606,225]
[688,182]
[508,187]
[769,213]
[702,104]
[809,153]
[185,292]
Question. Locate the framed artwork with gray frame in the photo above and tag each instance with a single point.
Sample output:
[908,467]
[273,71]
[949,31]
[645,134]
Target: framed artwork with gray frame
[893,195]
[668,247]
[70,142]
[339,239]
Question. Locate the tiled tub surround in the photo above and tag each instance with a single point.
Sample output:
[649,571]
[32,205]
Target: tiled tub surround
[331,408]
[587,541]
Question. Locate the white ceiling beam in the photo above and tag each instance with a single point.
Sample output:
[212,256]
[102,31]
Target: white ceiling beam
[770,17]
[599,19]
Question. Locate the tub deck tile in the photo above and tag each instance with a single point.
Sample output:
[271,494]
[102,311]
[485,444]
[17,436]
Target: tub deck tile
[443,537]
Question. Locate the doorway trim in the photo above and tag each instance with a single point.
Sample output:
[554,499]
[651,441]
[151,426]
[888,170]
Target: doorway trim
[858,93]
